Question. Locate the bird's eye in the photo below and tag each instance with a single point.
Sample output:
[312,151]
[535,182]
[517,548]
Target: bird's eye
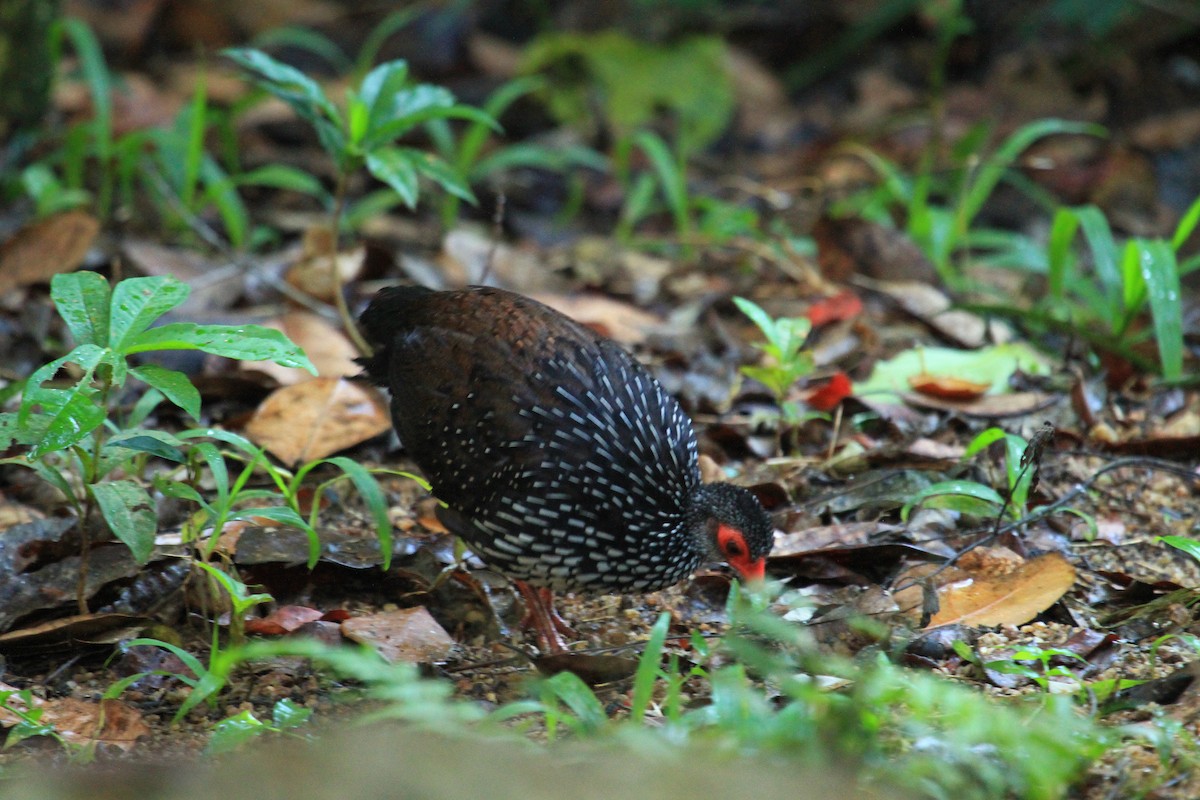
[733,549]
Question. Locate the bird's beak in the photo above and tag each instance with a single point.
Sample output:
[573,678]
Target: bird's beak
[751,570]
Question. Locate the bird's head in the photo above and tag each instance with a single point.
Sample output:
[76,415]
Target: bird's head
[737,528]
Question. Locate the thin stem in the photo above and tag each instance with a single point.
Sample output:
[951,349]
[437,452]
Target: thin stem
[335,225]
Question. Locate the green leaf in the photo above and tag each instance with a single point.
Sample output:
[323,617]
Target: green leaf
[145,440]
[379,87]
[1104,254]
[287,83]
[243,342]
[444,175]
[967,497]
[1187,224]
[282,176]
[82,300]
[1182,543]
[579,697]
[993,168]
[232,732]
[397,168]
[138,302]
[1062,235]
[370,491]
[73,412]
[983,440]
[1160,272]
[403,123]
[649,668]
[130,515]
[174,385]
[288,714]
[26,433]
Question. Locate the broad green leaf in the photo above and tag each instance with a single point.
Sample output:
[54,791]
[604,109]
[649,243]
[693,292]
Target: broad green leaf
[757,315]
[967,497]
[1160,272]
[1182,543]
[82,300]
[282,176]
[72,412]
[288,714]
[983,440]
[130,515]
[401,124]
[993,365]
[232,732]
[174,385]
[443,175]
[145,440]
[379,87]
[243,342]
[27,432]
[138,302]
[287,83]
[395,167]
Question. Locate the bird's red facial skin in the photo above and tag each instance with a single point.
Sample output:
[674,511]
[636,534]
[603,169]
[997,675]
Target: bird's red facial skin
[732,544]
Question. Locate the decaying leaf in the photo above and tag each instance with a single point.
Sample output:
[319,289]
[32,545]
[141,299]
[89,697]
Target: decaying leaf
[43,249]
[111,722]
[317,418]
[406,634]
[1013,598]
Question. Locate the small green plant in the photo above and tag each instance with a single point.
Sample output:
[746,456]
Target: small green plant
[383,108]
[1032,662]
[71,433]
[940,209]
[610,81]
[898,727]
[467,156]
[1104,305]
[284,501]
[232,732]
[31,722]
[979,499]
[787,360]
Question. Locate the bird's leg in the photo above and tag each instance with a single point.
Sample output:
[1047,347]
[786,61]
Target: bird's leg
[541,617]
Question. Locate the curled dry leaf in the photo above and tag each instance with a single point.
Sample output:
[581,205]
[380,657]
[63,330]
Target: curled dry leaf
[318,418]
[947,388]
[406,634]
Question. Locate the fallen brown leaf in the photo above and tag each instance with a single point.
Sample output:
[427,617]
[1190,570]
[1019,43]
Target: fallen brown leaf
[1010,599]
[317,418]
[40,250]
[82,721]
[324,344]
[406,634]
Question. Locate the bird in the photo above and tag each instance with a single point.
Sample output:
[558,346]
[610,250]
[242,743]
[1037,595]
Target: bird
[558,457]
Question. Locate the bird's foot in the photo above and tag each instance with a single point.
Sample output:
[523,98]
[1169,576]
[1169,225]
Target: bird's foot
[543,620]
